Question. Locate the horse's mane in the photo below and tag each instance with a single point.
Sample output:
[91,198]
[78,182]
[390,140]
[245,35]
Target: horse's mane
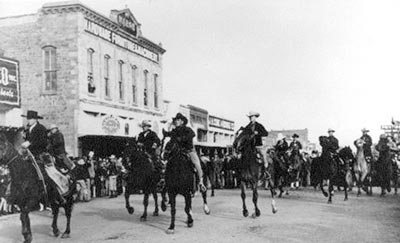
[11,132]
[346,153]
[323,140]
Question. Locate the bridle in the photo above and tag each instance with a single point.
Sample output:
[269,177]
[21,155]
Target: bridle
[12,159]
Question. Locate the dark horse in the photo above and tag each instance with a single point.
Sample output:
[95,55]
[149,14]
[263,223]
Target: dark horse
[144,174]
[250,170]
[27,190]
[178,179]
[335,169]
[286,170]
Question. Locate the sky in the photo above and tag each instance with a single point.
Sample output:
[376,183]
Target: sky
[313,64]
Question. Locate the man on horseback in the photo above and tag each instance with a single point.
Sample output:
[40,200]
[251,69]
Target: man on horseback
[295,146]
[258,131]
[332,143]
[57,148]
[281,146]
[184,136]
[36,134]
[149,140]
[367,144]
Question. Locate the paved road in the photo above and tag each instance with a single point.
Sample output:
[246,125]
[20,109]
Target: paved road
[303,216]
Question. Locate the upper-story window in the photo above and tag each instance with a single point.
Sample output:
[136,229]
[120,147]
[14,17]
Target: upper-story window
[156,90]
[120,80]
[146,88]
[91,84]
[107,76]
[134,84]
[49,68]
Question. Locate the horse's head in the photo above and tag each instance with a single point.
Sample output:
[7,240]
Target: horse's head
[244,139]
[359,143]
[323,141]
[346,154]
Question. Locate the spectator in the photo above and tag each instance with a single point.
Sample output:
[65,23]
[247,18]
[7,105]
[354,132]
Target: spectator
[113,176]
[92,174]
[56,148]
[82,175]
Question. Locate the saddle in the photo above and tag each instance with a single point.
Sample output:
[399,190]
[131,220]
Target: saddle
[61,179]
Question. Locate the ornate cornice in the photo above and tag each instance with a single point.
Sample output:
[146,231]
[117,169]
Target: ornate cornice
[70,7]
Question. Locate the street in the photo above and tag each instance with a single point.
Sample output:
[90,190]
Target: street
[303,216]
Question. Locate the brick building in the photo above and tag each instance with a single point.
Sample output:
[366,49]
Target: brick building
[96,77]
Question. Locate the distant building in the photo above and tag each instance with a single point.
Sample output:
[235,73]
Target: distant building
[96,77]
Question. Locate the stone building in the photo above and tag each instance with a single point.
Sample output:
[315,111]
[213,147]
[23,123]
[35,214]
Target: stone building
[96,77]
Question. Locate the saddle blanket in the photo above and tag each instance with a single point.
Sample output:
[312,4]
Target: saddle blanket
[61,180]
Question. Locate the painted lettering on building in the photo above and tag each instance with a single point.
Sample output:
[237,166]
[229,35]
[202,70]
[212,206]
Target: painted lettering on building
[119,40]
[221,123]
[110,125]
[9,82]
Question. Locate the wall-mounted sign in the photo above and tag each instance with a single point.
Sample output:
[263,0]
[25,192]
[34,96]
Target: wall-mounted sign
[118,40]
[9,82]
[221,123]
[110,125]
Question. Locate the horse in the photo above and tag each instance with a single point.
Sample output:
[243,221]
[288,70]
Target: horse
[384,166]
[209,173]
[178,179]
[249,170]
[144,174]
[29,183]
[335,169]
[360,166]
[286,170]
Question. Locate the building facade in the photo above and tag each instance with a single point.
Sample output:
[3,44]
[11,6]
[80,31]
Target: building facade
[271,140]
[96,77]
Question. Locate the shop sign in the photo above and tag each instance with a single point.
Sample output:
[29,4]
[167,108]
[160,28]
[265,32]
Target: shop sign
[9,82]
[110,125]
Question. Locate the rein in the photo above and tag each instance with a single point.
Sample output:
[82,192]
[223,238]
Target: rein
[12,160]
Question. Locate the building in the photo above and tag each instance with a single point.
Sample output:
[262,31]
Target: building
[96,77]
[271,140]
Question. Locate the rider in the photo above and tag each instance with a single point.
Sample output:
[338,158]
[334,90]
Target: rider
[281,146]
[184,136]
[57,148]
[36,134]
[332,143]
[149,140]
[367,143]
[295,146]
[259,131]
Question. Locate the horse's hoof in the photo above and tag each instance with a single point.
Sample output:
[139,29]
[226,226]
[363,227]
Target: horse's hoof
[130,210]
[155,213]
[345,199]
[329,202]
[27,238]
[280,195]
[206,210]
[325,194]
[212,194]
[65,236]
[274,210]
[245,213]
[143,218]
[170,231]
[258,212]
[190,223]
[163,207]
[56,233]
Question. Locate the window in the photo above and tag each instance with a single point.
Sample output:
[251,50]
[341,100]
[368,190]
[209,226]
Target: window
[91,85]
[50,72]
[155,90]
[107,75]
[146,88]
[120,80]
[134,84]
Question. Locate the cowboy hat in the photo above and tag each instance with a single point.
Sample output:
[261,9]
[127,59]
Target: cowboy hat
[253,113]
[32,115]
[179,116]
[53,126]
[112,156]
[145,123]
[280,136]
[295,136]
[364,130]
[331,130]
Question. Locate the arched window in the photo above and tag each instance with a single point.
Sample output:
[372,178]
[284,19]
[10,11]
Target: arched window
[91,84]
[146,88]
[107,76]
[49,68]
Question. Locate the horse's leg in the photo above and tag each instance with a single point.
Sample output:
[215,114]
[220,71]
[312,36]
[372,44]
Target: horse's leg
[155,197]
[68,214]
[345,190]
[330,190]
[164,199]
[172,200]
[188,209]
[273,193]
[127,205]
[204,196]
[26,225]
[243,195]
[145,204]
[358,181]
[257,212]
[321,185]
[55,209]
